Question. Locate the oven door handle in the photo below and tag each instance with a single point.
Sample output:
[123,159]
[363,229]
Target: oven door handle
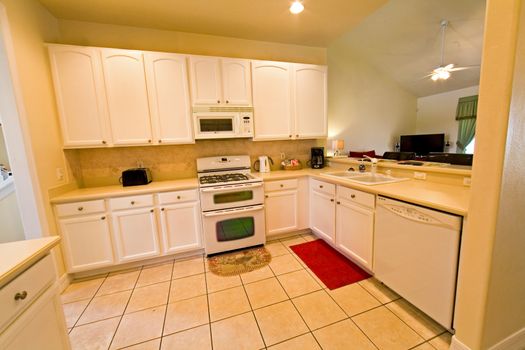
[233,211]
[231,187]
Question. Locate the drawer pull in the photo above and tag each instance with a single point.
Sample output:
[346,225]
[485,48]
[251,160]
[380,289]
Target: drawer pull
[80,208]
[162,209]
[151,210]
[331,200]
[352,196]
[132,202]
[282,185]
[265,196]
[21,296]
[103,218]
[178,197]
[320,186]
[338,202]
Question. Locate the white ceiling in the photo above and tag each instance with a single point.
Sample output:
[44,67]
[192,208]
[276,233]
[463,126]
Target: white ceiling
[267,20]
[402,40]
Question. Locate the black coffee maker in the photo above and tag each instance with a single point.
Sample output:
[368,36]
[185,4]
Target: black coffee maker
[317,158]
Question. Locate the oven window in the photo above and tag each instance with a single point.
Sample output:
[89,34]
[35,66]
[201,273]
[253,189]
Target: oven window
[232,197]
[233,229]
[211,125]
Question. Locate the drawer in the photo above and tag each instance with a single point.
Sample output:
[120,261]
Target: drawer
[131,202]
[21,292]
[355,196]
[178,196]
[280,185]
[321,186]
[87,207]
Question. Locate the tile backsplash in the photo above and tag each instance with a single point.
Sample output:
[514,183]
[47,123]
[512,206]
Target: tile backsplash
[103,166]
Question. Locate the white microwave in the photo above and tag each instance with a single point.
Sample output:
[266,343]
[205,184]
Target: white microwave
[214,124]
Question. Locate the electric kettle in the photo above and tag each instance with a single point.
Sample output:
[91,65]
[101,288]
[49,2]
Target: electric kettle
[262,165]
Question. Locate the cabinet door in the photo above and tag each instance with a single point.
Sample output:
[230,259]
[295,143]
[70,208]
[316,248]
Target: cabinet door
[205,75]
[272,100]
[169,98]
[135,234]
[181,227]
[310,98]
[355,232]
[41,326]
[79,90]
[127,96]
[322,215]
[281,212]
[236,82]
[86,242]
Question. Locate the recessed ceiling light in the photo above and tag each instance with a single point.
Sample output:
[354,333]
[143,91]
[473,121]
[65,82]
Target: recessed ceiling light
[296,7]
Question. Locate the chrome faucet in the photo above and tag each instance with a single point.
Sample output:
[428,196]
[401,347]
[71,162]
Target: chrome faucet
[374,162]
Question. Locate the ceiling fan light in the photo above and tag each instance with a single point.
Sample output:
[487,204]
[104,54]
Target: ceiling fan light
[296,7]
[434,77]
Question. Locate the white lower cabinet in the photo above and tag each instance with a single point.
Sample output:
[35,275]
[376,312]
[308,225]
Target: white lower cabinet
[355,231]
[322,209]
[281,212]
[87,242]
[135,233]
[181,227]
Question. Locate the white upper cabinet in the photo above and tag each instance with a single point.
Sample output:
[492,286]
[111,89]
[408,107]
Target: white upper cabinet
[271,83]
[236,82]
[205,74]
[217,81]
[80,95]
[127,96]
[169,98]
[310,92]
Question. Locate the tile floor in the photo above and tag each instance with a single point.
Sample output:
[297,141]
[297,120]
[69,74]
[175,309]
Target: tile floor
[181,305]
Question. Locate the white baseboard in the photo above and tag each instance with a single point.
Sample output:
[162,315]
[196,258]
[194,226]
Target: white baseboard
[63,282]
[515,341]
[455,344]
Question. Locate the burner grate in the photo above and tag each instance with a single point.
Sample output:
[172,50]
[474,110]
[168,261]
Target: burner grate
[213,179]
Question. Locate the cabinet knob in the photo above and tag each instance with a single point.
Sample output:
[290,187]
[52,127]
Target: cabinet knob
[282,185]
[320,186]
[218,101]
[151,210]
[178,197]
[265,196]
[227,101]
[297,135]
[149,141]
[80,208]
[104,142]
[338,202]
[21,295]
[132,202]
[162,209]
[331,200]
[352,196]
[290,136]
[160,141]
[103,218]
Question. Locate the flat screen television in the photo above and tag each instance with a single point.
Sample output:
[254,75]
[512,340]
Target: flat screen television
[422,144]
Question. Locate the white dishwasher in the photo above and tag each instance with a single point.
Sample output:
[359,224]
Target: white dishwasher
[416,254]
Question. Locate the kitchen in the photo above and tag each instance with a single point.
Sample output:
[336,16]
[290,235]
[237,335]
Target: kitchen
[97,167]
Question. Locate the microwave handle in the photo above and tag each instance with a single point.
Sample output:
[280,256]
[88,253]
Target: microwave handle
[231,211]
[232,187]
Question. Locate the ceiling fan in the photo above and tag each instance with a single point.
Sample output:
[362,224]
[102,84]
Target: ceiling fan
[443,71]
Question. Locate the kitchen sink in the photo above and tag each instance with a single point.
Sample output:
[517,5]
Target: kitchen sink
[366,178]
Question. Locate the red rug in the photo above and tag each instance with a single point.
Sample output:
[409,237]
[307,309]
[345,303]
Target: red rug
[332,267]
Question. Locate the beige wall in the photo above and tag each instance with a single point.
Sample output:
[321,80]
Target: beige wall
[100,167]
[107,35]
[11,226]
[365,108]
[473,309]
[437,114]
[505,299]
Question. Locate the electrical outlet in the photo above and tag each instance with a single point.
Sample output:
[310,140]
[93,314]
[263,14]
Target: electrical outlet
[467,181]
[282,155]
[60,174]
[420,176]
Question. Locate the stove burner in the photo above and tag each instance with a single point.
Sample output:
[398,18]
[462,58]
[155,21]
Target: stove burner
[213,179]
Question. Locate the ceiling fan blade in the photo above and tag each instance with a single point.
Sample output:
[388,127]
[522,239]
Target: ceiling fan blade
[449,66]
[463,68]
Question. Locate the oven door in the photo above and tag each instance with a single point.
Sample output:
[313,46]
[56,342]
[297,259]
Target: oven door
[231,229]
[230,196]
[216,125]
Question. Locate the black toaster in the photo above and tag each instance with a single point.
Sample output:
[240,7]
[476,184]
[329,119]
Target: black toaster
[136,177]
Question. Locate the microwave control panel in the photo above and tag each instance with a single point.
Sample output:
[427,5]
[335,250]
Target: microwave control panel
[246,124]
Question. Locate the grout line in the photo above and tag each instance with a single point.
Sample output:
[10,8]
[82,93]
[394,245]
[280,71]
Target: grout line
[253,314]
[167,303]
[90,300]
[142,342]
[124,312]
[366,335]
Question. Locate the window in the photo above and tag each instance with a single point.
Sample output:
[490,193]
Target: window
[470,147]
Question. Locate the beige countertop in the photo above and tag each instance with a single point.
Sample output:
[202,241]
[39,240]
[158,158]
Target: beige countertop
[428,167]
[449,198]
[18,256]
[83,194]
